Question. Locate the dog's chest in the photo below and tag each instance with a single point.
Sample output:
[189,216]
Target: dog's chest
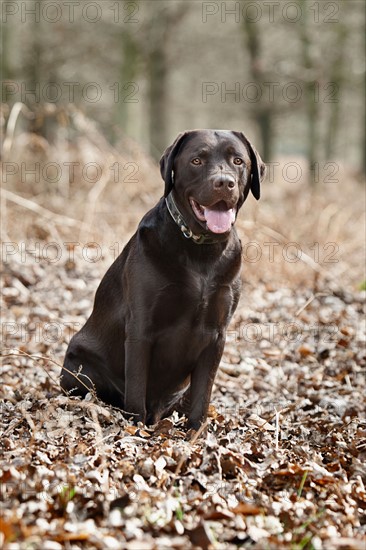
[196,294]
[204,300]
[211,301]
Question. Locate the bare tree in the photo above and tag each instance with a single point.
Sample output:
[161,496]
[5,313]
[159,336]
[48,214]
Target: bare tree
[311,105]
[337,76]
[264,110]
[149,51]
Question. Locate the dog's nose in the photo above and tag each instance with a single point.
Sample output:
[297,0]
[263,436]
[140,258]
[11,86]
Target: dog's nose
[224,181]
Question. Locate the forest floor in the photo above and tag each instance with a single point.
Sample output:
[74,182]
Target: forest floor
[281,463]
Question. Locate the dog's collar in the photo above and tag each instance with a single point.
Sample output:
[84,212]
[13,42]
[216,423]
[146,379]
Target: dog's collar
[183,226]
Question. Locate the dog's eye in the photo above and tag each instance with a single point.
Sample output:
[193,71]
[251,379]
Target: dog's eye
[196,161]
[238,161]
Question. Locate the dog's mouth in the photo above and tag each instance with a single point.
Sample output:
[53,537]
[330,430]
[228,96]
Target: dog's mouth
[219,217]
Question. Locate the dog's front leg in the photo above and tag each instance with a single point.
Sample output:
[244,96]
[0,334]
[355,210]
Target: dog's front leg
[137,360]
[202,379]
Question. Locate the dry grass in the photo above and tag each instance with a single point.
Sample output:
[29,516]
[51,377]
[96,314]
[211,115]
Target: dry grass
[326,224]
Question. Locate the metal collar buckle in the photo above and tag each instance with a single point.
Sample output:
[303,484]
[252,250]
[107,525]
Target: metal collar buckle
[186,232]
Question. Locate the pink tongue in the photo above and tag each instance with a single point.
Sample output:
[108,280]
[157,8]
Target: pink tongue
[219,220]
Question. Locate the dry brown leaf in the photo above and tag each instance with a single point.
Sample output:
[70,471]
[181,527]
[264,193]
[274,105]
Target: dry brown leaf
[247,509]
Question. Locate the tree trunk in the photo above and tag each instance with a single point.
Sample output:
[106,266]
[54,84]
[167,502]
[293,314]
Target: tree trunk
[263,110]
[5,65]
[157,100]
[311,105]
[264,120]
[337,79]
[128,73]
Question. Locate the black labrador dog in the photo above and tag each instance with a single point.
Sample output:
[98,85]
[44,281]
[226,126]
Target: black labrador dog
[156,335]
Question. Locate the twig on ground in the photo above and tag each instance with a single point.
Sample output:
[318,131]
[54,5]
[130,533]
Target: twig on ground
[10,128]
[186,455]
[311,299]
[20,353]
[38,209]
[277,428]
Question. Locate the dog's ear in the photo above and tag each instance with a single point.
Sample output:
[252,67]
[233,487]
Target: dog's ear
[258,170]
[167,161]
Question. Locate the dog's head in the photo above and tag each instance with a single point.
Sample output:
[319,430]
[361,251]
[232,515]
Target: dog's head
[211,172]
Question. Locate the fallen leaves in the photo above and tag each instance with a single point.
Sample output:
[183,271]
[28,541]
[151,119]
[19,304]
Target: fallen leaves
[281,463]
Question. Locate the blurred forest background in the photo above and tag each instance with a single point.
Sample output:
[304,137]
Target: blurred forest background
[290,73]
[93,92]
